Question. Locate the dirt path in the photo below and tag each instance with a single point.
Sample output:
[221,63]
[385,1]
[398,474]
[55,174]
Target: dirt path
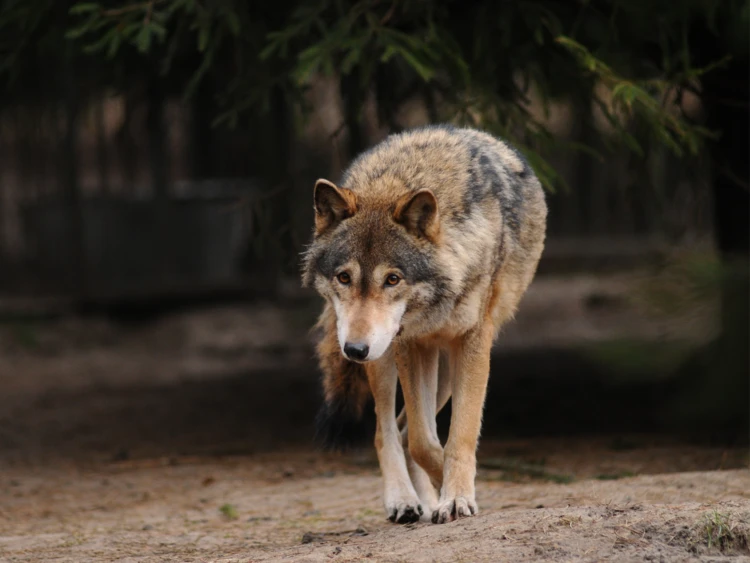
[304,506]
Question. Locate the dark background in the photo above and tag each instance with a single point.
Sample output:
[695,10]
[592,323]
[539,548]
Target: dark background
[156,169]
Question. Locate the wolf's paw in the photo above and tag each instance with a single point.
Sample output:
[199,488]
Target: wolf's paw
[404,512]
[453,509]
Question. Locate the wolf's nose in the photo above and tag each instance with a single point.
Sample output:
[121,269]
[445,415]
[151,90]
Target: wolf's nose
[356,350]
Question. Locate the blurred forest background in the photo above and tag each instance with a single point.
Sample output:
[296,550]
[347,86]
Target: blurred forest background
[162,154]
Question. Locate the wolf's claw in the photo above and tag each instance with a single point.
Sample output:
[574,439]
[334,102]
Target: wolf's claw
[405,513]
[453,509]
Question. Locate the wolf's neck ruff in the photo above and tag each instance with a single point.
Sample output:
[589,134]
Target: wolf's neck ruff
[432,236]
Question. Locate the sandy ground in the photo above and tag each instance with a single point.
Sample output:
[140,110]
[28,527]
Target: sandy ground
[189,439]
[303,506]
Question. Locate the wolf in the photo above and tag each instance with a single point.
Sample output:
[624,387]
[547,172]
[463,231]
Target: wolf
[421,252]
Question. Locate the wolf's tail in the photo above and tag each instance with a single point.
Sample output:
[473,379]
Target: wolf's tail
[341,421]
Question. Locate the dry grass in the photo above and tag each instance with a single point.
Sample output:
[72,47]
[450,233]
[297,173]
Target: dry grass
[725,532]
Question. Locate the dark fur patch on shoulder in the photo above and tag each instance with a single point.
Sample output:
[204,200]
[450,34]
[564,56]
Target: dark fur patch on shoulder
[338,427]
[512,202]
[484,179]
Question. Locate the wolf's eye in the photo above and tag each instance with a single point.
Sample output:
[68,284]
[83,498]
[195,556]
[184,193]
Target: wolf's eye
[392,279]
[344,278]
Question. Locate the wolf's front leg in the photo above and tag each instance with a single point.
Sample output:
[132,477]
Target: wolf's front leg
[400,499]
[418,373]
[470,367]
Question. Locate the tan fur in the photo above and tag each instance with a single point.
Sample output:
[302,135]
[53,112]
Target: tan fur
[460,218]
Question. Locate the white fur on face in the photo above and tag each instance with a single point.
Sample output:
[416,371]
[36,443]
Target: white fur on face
[379,332]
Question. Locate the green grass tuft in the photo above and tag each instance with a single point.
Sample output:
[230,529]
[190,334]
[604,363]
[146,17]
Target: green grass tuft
[229,511]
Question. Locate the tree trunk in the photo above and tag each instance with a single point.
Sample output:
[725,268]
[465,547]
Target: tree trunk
[102,161]
[352,98]
[201,143]
[78,279]
[725,93]
[158,154]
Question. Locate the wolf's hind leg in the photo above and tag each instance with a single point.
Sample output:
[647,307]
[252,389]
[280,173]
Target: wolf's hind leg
[443,394]
[444,381]
[427,492]
[418,372]
[400,499]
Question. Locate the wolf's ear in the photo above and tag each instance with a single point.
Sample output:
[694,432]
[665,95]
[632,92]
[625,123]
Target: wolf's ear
[418,212]
[332,205]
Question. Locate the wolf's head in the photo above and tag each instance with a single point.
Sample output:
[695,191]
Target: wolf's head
[374,260]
